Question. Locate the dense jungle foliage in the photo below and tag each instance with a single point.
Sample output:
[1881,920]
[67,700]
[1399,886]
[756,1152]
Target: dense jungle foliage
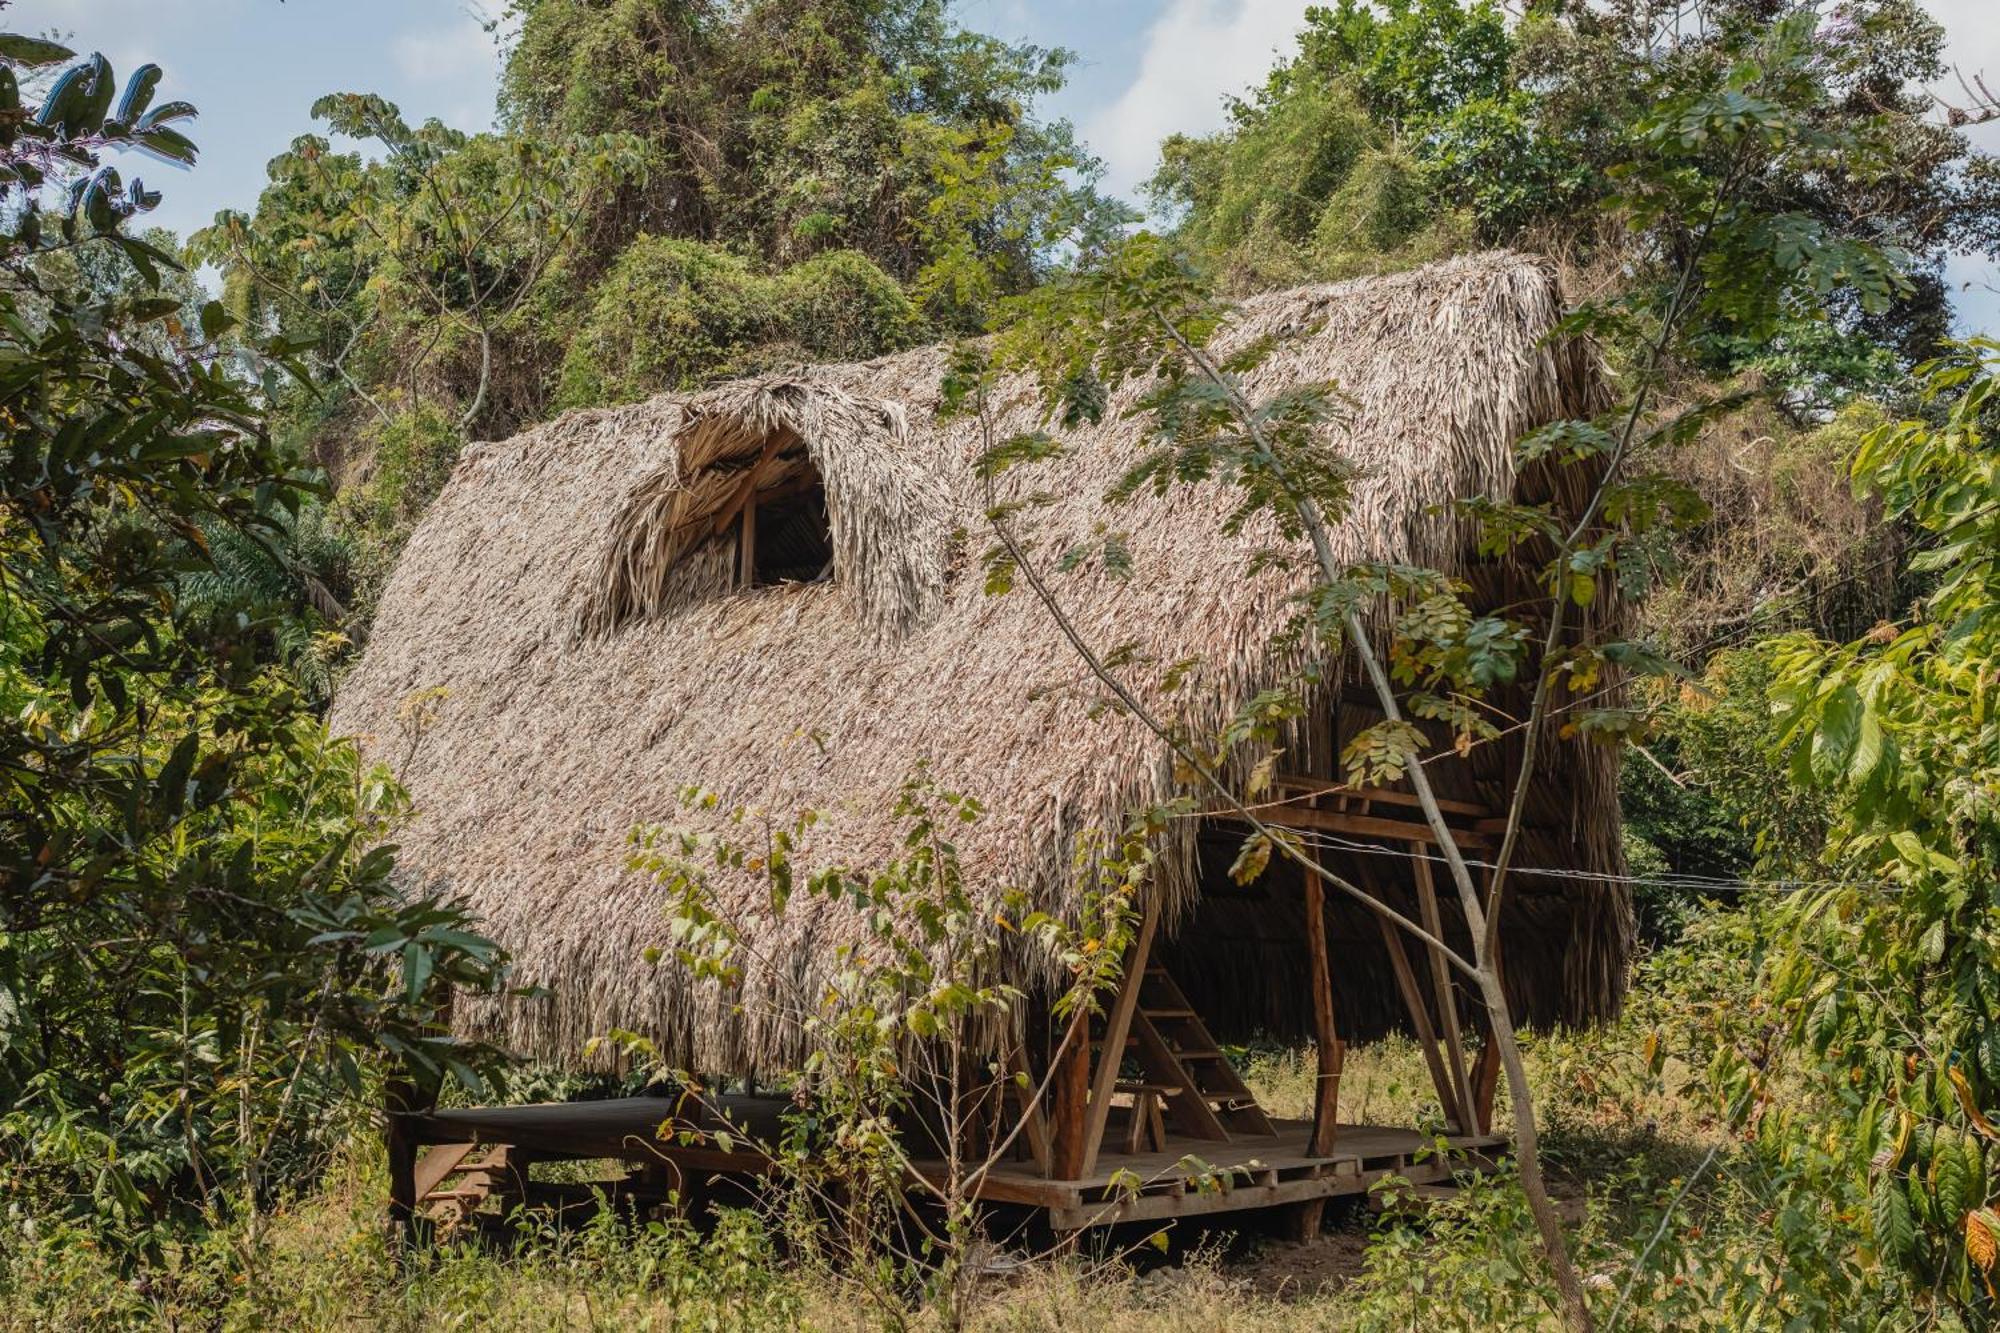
[208,972]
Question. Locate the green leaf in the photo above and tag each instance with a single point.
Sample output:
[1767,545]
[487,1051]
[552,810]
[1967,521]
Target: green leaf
[153,308]
[1889,1218]
[1868,748]
[20,49]
[138,93]
[1838,732]
[1252,859]
[215,320]
[1910,847]
[1949,1179]
[1825,1023]
[418,962]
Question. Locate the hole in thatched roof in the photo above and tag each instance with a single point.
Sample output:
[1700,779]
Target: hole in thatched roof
[779,481]
[789,536]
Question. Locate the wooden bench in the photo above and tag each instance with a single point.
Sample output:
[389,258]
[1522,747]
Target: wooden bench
[1147,1129]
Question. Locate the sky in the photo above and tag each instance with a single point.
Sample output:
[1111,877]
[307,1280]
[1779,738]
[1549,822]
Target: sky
[1145,69]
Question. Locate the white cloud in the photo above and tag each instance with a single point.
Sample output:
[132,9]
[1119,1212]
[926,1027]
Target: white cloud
[1196,53]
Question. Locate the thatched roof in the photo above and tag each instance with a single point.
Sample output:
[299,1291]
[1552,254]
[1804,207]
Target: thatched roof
[566,609]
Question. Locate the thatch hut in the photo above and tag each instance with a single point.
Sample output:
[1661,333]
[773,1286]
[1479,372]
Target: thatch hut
[774,590]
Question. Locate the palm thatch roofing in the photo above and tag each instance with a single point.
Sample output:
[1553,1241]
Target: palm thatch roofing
[565,646]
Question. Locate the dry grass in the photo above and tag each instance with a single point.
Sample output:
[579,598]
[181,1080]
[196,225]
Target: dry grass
[1383,1083]
[322,1264]
[1626,1137]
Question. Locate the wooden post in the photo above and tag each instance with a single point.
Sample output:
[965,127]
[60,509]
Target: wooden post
[1332,1052]
[1071,1086]
[1485,1083]
[1117,1024]
[1420,1018]
[1307,1216]
[401,1139]
[1454,1039]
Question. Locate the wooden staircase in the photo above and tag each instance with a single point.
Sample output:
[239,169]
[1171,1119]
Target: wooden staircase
[1176,1050]
[452,1181]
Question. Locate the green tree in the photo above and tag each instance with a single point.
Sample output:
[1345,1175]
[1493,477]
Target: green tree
[1515,132]
[790,129]
[198,934]
[1888,976]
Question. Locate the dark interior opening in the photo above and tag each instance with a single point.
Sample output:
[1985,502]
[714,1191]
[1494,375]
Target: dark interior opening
[792,539]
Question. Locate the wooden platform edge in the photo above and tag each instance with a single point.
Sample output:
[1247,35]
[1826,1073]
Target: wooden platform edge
[1242,1198]
[1175,1191]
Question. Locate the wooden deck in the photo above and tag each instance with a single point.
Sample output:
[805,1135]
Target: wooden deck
[1191,1177]
[1199,1176]
[1181,1135]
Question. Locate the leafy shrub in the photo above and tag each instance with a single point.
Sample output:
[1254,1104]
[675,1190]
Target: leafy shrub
[1251,194]
[670,314]
[675,314]
[840,307]
[415,451]
[1380,205]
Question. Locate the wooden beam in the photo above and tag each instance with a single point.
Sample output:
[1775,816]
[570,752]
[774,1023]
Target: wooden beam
[1117,1023]
[1413,1000]
[1326,1036]
[1360,826]
[1454,1038]
[1383,795]
[1191,1203]
[436,1164]
[1035,1127]
[748,488]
